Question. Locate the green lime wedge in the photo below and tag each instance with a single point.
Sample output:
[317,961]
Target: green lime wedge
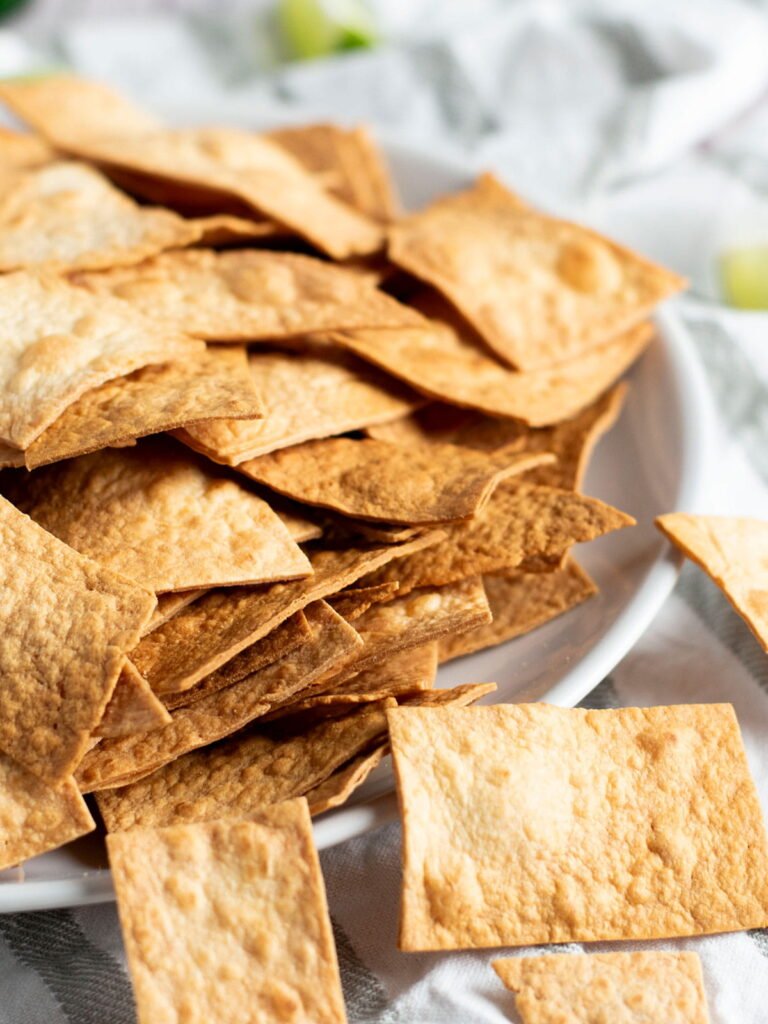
[744,275]
[316,28]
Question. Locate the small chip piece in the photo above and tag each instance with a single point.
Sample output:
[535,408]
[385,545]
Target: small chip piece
[529,823]
[206,385]
[307,395]
[132,707]
[61,652]
[520,602]
[243,898]
[249,295]
[734,553]
[623,988]
[354,602]
[60,341]
[539,290]
[458,696]
[169,604]
[339,786]
[375,480]
[36,817]
[161,517]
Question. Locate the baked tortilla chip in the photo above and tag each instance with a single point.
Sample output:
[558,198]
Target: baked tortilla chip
[522,525]
[340,786]
[538,290]
[375,480]
[528,824]
[67,623]
[222,229]
[160,517]
[59,341]
[169,604]
[734,553]
[119,761]
[357,169]
[36,817]
[206,385]
[243,898]
[519,603]
[22,150]
[444,362]
[132,707]
[624,988]
[459,696]
[249,294]
[233,779]
[66,216]
[204,636]
[308,395]
[352,603]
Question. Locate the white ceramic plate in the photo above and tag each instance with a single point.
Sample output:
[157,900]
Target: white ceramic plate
[652,462]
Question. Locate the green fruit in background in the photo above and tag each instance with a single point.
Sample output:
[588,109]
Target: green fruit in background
[317,28]
[744,275]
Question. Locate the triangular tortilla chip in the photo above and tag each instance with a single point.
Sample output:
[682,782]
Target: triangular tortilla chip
[59,341]
[595,825]
[308,396]
[520,602]
[249,294]
[66,216]
[119,761]
[375,480]
[206,385]
[261,766]
[67,624]
[245,899]
[160,518]
[734,553]
[539,290]
[132,707]
[36,817]
[625,988]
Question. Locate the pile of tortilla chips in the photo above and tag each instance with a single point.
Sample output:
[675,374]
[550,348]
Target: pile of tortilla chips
[272,450]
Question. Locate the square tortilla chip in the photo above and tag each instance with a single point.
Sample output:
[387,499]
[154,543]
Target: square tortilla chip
[734,553]
[119,761]
[249,295]
[36,817]
[132,707]
[519,603]
[161,517]
[235,778]
[528,824]
[223,623]
[308,395]
[623,988]
[206,385]
[66,216]
[244,898]
[63,651]
[357,168]
[369,479]
[538,290]
[59,342]
[521,523]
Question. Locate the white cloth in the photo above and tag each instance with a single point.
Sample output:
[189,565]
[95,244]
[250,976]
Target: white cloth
[645,117]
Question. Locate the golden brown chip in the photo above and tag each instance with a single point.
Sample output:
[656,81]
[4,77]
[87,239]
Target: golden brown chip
[169,604]
[734,552]
[119,761]
[459,696]
[248,294]
[67,623]
[520,602]
[448,424]
[204,636]
[359,174]
[59,341]
[375,480]
[339,786]
[539,290]
[232,914]
[352,603]
[205,386]
[233,779]
[66,216]
[623,988]
[132,707]
[160,517]
[22,149]
[221,229]
[521,523]
[531,824]
[36,817]
[308,395]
